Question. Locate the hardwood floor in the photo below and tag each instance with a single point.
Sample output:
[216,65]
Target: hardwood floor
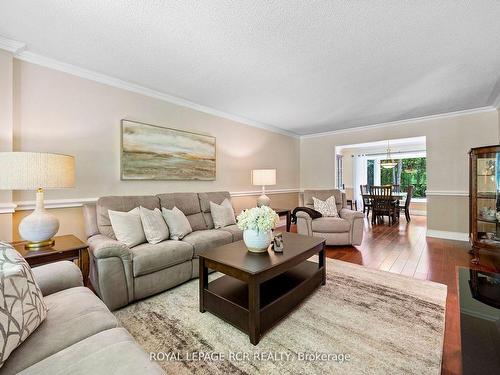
[404,248]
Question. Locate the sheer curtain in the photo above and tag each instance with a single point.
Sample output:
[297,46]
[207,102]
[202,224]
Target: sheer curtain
[360,175]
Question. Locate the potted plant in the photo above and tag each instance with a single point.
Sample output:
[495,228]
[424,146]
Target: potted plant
[257,224]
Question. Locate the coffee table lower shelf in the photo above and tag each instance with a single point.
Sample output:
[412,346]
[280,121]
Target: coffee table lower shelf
[228,298]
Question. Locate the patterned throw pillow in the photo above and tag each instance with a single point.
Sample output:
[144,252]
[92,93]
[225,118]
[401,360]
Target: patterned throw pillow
[22,308]
[326,208]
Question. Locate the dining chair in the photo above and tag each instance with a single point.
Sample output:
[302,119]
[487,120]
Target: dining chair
[406,206]
[383,203]
[365,194]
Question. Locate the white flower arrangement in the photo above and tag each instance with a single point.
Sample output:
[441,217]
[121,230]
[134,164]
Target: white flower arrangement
[262,219]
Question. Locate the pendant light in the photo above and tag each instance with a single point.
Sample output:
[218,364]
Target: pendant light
[388,163]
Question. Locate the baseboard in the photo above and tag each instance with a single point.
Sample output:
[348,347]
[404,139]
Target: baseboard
[457,236]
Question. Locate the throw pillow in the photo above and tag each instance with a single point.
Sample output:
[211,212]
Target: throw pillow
[154,225]
[128,226]
[23,308]
[326,208]
[222,214]
[177,222]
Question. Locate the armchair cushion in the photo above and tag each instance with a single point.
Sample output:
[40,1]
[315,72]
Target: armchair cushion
[148,258]
[330,225]
[327,207]
[340,198]
[54,277]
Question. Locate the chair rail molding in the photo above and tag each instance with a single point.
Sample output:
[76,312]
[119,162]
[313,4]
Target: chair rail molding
[55,203]
[453,193]
[7,208]
[78,202]
[259,192]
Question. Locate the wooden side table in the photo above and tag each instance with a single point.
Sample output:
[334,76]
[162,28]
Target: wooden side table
[285,212]
[66,247]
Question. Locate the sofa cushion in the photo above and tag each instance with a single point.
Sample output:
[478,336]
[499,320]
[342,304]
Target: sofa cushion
[222,214]
[154,225]
[178,224]
[236,232]
[148,258]
[74,314]
[188,203]
[205,199]
[208,239]
[112,351]
[127,226]
[123,204]
[330,225]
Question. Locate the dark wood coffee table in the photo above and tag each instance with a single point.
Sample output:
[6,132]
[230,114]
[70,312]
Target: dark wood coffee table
[258,290]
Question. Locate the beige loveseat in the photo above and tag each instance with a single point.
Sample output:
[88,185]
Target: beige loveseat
[344,230]
[79,334]
[121,275]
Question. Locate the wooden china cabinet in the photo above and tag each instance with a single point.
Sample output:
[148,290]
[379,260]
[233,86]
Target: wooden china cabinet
[484,199]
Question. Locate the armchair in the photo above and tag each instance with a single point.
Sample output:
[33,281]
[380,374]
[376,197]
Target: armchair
[344,230]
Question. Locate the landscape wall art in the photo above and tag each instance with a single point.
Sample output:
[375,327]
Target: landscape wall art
[152,152]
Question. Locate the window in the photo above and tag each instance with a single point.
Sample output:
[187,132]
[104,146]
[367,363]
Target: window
[340,166]
[370,168]
[410,171]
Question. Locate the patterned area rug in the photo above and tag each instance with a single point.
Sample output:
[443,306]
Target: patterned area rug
[362,321]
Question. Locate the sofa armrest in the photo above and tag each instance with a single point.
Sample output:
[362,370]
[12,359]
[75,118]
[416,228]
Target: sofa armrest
[111,270]
[350,215]
[104,247]
[304,223]
[54,277]
[357,221]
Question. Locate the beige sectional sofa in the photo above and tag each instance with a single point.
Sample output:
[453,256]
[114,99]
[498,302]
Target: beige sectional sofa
[79,335]
[344,230]
[121,275]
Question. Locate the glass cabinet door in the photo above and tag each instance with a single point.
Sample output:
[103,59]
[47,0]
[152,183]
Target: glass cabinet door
[488,202]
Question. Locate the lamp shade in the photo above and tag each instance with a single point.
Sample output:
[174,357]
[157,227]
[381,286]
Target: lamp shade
[33,170]
[264,177]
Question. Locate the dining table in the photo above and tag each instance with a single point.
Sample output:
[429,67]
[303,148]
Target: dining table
[397,196]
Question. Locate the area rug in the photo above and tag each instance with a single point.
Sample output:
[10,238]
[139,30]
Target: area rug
[363,321]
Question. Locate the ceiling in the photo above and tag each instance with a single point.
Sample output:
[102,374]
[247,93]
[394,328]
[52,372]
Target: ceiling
[301,66]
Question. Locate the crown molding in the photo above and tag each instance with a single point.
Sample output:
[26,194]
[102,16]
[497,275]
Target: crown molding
[47,62]
[401,122]
[12,46]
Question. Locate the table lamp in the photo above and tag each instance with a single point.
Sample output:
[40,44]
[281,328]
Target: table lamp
[263,177]
[37,171]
